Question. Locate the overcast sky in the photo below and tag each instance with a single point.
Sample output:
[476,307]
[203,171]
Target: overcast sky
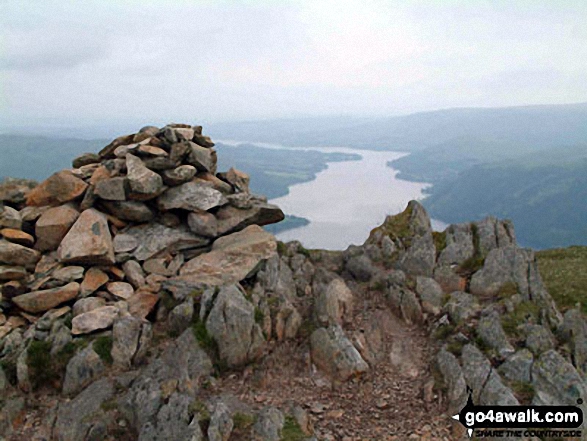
[92,62]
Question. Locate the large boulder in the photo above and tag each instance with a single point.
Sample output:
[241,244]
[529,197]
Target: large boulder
[144,184]
[53,225]
[231,323]
[88,241]
[409,234]
[232,257]
[58,189]
[96,319]
[231,218]
[14,254]
[334,354]
[153,238]
[191,196]
[40,301]
[454,380]
[334,305]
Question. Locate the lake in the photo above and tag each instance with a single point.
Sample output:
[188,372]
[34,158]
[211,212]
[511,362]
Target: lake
[348,199]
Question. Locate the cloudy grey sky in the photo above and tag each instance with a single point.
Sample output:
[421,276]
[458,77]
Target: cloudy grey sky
[72,62]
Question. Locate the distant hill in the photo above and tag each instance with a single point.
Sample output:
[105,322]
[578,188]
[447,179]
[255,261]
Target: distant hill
[544,193]
[527,126]
[37,157]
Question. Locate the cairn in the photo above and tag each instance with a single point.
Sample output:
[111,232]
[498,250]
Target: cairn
[103,236]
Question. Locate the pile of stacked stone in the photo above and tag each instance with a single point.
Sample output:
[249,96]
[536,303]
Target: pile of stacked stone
[103,236]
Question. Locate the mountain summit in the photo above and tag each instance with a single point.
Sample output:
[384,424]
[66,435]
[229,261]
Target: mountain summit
[141,299]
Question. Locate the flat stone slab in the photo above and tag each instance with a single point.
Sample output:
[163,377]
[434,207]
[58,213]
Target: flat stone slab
[232,257]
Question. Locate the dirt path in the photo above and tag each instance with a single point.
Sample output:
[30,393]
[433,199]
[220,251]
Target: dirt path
[393,401]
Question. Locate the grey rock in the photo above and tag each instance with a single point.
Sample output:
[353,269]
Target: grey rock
[287,321]
[430,293]
[154,238]
[232,259]
[448,279]
[493,335]
[144,184]
[182,362]
[277,278]
[493,233]
[574,331]
[124,243]
[334,354]
[232,219]
[181,316]
[517,367]
[221,423]
[269,425]
[68,273]
[172,422]
[556,381]
[459,245]
[17,255]
[130,336]
[334,304]
[88,241]
[191,196]
[410,307]
[8,273]
[231,323]
[203,223]
[87,304]
[10,218]
[133,211]
[99,318]
[81,370]
[454,380]
[134,273]
[476,369]
[85,159]
[503,265]
[204,159]
[495,393]
[22,372]
[76,417]
[361,268]
[112,189]
[179,175]
[461,306]
[538,338]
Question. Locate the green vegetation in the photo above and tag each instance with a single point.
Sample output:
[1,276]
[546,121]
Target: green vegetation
[455,347]
[476,261]
[259,316]
[523,391]
[543,197]
[307,327]
[439,241]
[563,272]
[444,331]
[281,248]
[507,290]
[108,405]
[242,421]
[205,340]
[45,369]
[39,363]
[291,430]
[103,347]
[398,226]
[523,312]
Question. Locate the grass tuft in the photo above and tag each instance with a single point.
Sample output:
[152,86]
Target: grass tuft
[291,430]
[563,273]
[103,347]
